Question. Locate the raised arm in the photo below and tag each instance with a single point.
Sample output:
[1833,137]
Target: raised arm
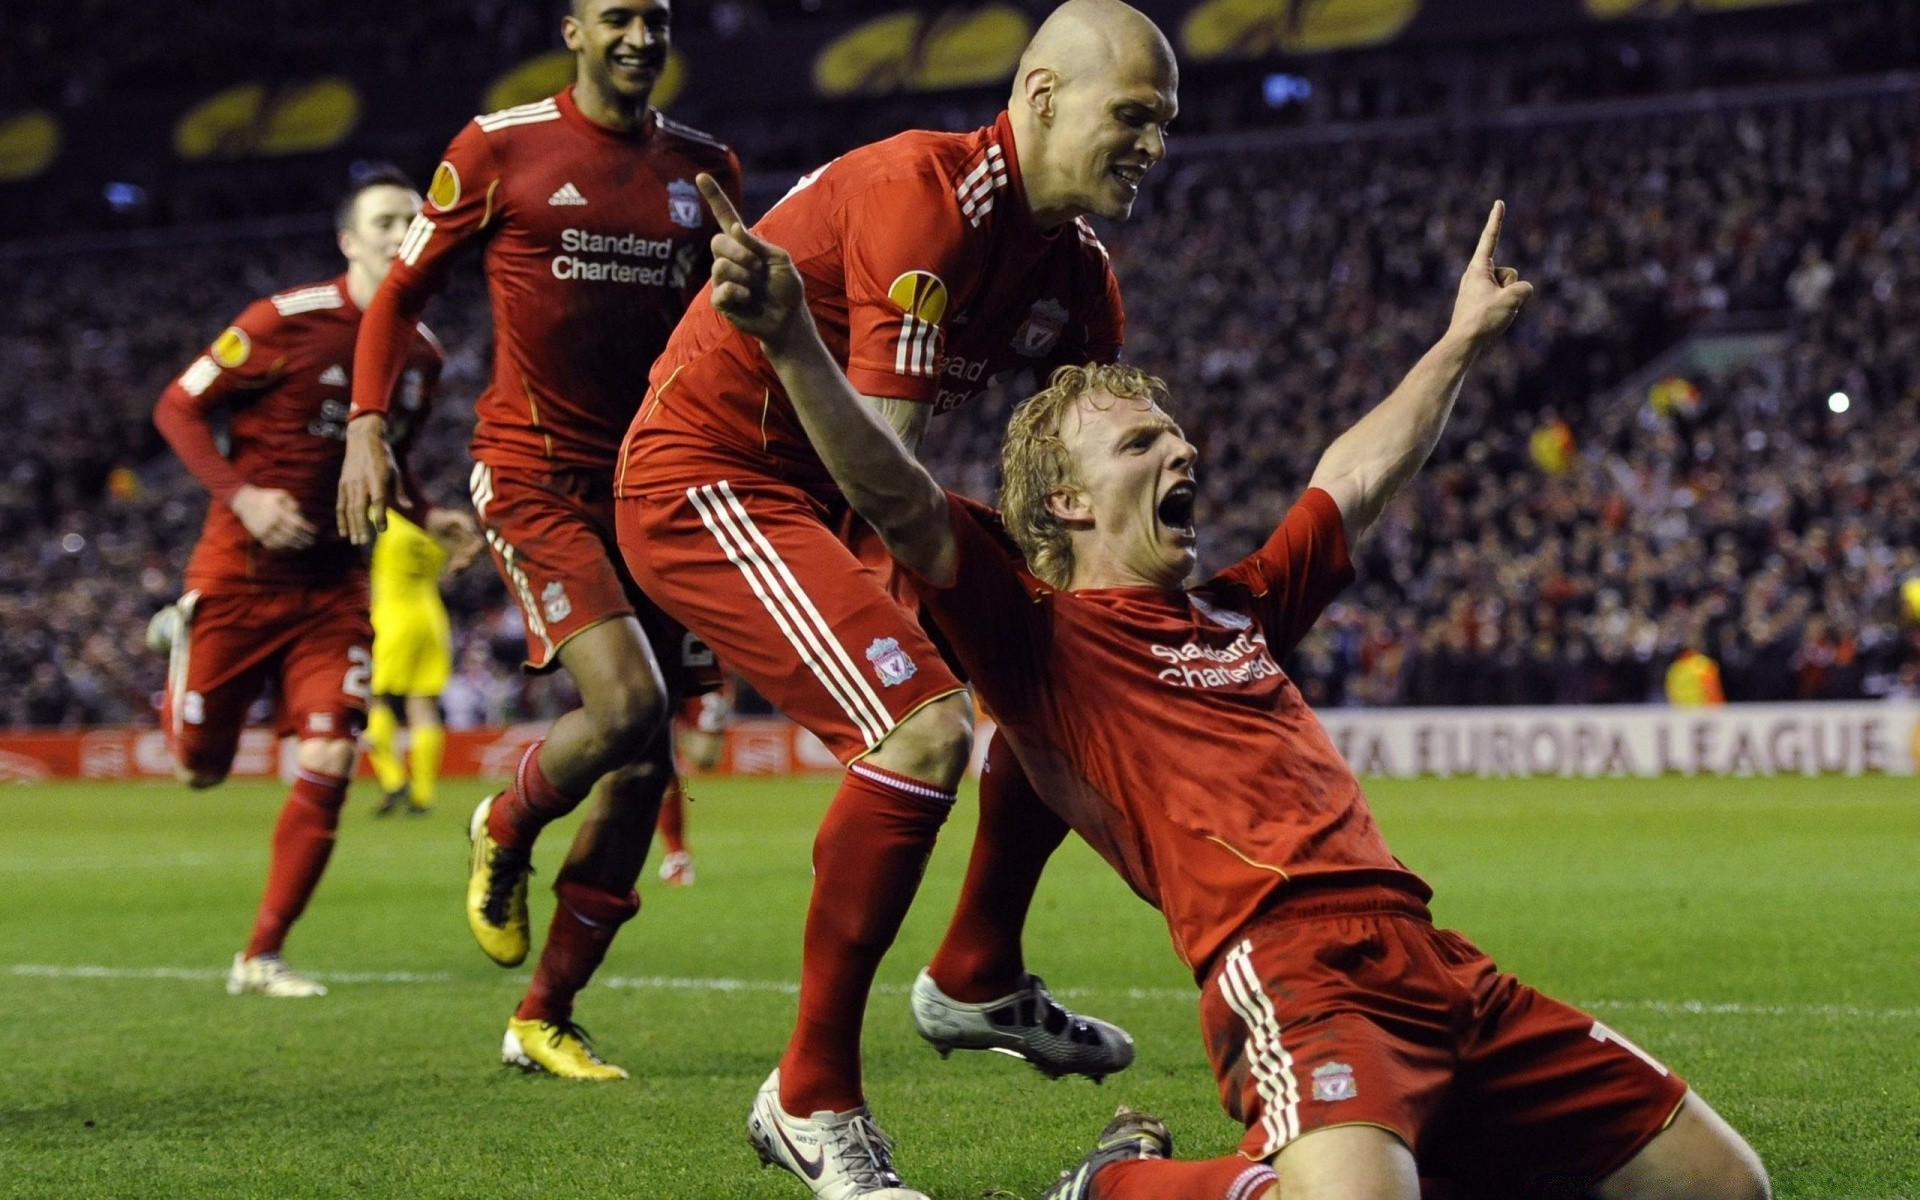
[756,287]
[1368,464]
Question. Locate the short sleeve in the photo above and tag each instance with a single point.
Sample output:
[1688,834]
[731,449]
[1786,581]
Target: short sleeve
[249,356]
[1293,578]
[991,613]
[905,248]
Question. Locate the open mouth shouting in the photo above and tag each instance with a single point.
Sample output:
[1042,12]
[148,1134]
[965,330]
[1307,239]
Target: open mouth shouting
[1175,509]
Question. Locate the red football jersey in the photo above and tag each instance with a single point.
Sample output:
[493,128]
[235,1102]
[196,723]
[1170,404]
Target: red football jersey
[280,374]
[595,242]
[927,277]
[1162,726]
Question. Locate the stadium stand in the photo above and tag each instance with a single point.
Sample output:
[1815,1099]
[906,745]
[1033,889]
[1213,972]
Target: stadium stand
[1580,527]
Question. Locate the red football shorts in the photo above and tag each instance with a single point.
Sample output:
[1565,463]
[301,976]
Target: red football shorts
[760,571]
[316,644]
[1355,1009]
[552,539]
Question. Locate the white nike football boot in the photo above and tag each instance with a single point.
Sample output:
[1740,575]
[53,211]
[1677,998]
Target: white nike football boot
[841,1156]
[267,975]
[1027,1024]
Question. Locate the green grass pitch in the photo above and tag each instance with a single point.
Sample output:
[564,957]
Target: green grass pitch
[1761,936]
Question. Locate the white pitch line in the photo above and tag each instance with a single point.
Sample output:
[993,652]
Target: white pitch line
[1709,1008]
[782,987]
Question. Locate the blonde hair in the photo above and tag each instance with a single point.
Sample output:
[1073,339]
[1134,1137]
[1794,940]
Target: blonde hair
[1035,462]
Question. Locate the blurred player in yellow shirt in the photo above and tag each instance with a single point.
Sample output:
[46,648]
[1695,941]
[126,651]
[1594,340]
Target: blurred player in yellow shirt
[1693,681]
[412,658]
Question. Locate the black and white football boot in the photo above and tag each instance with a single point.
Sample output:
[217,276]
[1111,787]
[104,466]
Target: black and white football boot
[1028,1024]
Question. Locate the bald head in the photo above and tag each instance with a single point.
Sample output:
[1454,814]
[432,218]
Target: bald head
[1083,38]
[1094,93]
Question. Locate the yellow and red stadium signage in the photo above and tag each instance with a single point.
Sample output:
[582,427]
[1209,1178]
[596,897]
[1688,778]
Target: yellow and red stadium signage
[29,142]
[1241,29]
[252,121]
[916,52]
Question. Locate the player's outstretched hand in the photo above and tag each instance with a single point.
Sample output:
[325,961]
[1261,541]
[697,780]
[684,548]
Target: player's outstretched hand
[272,518]
[360,506]
[755,285]
[1490,296]
[457,535]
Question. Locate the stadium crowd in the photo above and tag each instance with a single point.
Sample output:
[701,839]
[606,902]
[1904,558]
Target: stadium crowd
[1572,536]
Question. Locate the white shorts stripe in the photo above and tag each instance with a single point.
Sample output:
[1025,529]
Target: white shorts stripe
[910,787]
[480,484]
[862,688]
[799,621]
[1268,1058]
[777,606]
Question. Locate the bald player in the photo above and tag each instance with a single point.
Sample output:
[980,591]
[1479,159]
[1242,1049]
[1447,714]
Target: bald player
[934,263]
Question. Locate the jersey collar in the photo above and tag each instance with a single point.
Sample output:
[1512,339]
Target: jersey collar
[570,112]
[1000,134]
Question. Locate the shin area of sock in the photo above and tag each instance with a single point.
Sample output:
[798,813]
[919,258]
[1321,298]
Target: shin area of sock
[583,927]
[1229,1178]
[868,858]
[302,843]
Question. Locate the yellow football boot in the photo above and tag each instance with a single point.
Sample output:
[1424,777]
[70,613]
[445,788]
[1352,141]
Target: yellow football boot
[497,892]
[561,1050]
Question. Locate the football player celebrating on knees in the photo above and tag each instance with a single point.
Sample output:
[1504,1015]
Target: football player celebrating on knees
[1363,1048]
[594,242]
[935,262]
[412,659]
[272,593]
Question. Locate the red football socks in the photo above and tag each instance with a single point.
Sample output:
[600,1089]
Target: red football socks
[980,960]
[868,857]
[1229,1178]
[583,927]
[673,818]
[527,807]
[302,843]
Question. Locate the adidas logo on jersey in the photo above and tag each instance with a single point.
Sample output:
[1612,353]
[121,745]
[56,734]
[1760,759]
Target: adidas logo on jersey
[334,376]
[568,194]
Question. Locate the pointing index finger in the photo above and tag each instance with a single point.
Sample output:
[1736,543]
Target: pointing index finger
[723,210]
[1490,236]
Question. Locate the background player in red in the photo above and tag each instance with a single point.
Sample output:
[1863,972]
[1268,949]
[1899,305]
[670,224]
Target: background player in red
[700,737]
[1362,1046]
[594,240]
[935,262]
[272,592]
